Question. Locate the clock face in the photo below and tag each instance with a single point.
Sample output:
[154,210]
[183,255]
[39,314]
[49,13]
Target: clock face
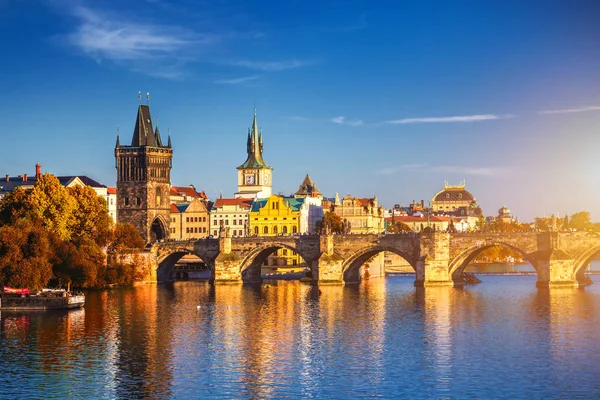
[249,179]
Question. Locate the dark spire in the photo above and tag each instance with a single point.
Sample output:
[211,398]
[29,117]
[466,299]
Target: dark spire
[118,144]
[143,134]
[157,136]
[308,188]
[169,144]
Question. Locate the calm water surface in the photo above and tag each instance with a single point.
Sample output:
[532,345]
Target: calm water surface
[385,338]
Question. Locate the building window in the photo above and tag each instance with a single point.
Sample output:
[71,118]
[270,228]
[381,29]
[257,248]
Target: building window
[256,230]
[294,262]
[240,222]
[266,230]
[275,229]
[126,201]
[284,252]
[240,232]
[294,229]
[285,230]
[234,222]
[158,196]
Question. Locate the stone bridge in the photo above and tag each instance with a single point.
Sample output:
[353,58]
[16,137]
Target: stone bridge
[559,258]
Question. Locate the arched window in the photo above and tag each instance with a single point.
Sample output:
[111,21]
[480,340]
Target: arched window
[275,230]
[158,196]
[294,229]
[284,231]
[266,230]
[256,230]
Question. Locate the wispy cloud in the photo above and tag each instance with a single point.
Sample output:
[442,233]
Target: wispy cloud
[157,50]
[236,81]
[460,118]
[344,121]
[571,110]
[270,66]
[446,169]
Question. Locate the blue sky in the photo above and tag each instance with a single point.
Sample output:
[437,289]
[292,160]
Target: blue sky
[369,98]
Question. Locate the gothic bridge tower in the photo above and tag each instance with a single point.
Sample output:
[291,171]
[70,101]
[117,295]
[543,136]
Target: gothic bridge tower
[144,179]
[254,175]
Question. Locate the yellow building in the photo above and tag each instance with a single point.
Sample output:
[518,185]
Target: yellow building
[365,215]
[189,220]
[274,216]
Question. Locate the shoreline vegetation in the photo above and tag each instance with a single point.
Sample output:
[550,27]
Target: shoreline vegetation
[53,236]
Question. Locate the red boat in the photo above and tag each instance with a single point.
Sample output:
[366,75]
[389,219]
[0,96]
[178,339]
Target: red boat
[10,290]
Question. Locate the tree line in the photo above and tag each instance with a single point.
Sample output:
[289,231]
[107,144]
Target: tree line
[60,236]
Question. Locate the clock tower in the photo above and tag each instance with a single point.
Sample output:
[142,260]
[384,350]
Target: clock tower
[254,175]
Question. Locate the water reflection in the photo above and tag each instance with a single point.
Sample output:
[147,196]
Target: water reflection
[385,338]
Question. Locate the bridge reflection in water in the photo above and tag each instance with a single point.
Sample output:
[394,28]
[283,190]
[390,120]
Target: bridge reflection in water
[384,338]
[439,259]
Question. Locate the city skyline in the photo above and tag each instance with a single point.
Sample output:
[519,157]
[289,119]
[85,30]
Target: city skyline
[369,101]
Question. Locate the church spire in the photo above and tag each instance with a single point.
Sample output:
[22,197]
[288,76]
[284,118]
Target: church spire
[254,147]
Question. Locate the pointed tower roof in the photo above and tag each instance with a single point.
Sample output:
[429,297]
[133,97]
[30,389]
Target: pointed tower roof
[254,148]
[157,136]
[143,133]
[308,188]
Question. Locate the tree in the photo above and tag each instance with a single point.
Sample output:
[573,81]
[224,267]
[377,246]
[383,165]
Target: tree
[481,223]
[398,226]
[333,219]
[542,223]
[25,253]
[126,236]
[51,205]
[565,224]
[90,216]
[14,206]
[581,221]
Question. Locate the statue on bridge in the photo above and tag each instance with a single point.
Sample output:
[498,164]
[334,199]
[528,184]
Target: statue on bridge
[325,227]
[346,227]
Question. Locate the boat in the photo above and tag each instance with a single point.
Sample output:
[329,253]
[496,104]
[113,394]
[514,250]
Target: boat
[12,299]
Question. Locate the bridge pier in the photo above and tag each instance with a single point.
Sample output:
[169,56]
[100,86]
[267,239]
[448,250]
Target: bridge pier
[328,270]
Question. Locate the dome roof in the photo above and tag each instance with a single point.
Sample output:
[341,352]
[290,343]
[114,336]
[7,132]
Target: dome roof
[454,193]
[504,211]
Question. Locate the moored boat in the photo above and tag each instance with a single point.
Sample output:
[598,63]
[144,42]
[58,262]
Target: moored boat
[47,299]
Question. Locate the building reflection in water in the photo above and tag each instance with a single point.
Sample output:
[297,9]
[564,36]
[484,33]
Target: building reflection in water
[143,359]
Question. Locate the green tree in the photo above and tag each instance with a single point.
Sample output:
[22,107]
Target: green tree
[51,205]
[25,253]
[90,216]
[333,219]
[581,221]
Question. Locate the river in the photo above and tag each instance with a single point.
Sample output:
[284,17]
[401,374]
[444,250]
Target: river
[503,338]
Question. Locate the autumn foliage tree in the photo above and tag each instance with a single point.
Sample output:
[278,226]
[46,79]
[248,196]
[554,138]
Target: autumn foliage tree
[58,231]
[333,219]
[25,254]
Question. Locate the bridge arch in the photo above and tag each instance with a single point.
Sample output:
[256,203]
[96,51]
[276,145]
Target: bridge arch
[166,262]
[250,267]
[461,261]
[352,263]
[158,229]
[583,260]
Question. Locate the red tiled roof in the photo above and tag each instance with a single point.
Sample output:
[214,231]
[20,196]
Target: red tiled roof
[186,191]
[245,203]
[111,190]
[174,208]
[410,218]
